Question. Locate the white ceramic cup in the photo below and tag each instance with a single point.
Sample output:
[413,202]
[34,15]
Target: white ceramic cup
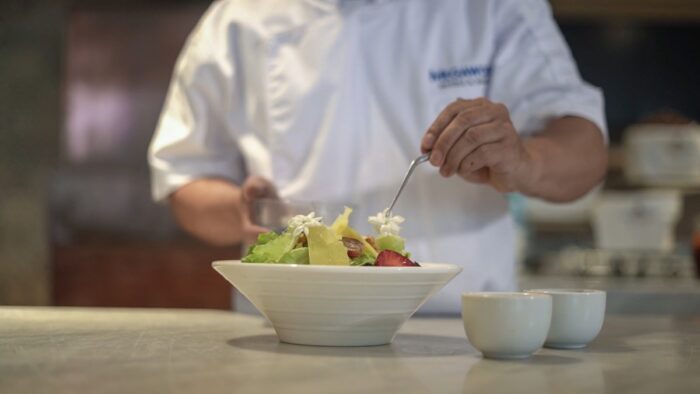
[506,325]
[577,317]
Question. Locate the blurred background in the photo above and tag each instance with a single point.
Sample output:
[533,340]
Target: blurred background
[82,84]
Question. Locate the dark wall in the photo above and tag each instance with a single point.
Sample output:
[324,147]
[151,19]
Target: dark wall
[642,68]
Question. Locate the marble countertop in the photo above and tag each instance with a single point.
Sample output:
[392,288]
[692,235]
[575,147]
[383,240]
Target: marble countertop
[72,350]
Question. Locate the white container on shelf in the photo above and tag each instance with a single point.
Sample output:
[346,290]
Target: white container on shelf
[539,211]
[662,155]
[637,221]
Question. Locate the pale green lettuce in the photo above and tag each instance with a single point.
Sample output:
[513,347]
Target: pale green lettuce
[296,256]
[364,259]
[391,242]
[270,247]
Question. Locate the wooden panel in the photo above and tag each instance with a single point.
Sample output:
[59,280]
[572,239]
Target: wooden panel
[140,275]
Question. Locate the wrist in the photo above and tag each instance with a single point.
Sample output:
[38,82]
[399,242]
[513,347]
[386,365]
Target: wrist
[531,170]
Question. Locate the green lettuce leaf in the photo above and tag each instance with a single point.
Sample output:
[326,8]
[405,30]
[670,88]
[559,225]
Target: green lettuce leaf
[266,237]
[296,256]
[364,259]
[391,242]
[262,240]
[270,248]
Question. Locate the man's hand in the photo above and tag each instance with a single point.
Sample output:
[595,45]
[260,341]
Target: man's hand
[255,187]
[218,211]
[476,140]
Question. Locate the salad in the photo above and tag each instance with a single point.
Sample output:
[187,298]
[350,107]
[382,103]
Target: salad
[307,240]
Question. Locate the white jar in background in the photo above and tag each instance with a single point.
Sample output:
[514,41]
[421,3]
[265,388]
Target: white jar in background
[662,154]
[637,221]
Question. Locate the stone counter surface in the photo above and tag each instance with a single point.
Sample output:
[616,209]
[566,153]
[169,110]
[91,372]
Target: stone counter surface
[73,350]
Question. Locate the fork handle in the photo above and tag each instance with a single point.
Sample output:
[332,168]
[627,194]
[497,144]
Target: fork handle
[420,159]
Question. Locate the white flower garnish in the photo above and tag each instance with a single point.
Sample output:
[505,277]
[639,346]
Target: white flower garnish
[386,224]
[301,223]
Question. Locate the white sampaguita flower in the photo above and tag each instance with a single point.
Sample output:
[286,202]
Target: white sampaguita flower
[301,223]
[386,224]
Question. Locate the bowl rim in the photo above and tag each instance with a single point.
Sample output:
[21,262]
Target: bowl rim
[425,268]
[582,292]
[504,295]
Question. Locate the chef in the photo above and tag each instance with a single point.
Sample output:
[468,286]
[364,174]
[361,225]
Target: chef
[330,100]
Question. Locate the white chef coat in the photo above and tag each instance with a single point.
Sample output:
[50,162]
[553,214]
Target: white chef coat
[330,99]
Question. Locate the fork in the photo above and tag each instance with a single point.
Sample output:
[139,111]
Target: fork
[418,160]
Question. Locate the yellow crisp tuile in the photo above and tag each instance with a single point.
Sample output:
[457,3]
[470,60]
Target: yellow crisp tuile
[343,229]
[326,247]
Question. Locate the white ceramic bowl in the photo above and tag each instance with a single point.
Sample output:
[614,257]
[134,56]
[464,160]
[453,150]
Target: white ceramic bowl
[333,305]
[506,325]
[577,317]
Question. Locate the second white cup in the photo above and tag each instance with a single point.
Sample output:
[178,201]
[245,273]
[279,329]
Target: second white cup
[506,325]
[577,317]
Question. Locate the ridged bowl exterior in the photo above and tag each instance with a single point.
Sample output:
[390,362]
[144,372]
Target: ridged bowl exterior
[336,305]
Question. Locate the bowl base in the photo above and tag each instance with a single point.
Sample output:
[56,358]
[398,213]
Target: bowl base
[334,338]
[506,356]
[566,346]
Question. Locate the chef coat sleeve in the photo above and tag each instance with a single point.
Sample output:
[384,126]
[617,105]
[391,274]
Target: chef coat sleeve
[192,139]
[533,72]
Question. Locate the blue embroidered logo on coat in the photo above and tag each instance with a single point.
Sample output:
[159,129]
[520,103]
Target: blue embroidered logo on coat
[458,76]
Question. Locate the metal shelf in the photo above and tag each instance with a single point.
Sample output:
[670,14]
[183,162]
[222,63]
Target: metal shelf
[592,262]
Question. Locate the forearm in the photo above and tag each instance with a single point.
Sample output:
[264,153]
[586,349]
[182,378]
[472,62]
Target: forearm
[568,159]
[210,210]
